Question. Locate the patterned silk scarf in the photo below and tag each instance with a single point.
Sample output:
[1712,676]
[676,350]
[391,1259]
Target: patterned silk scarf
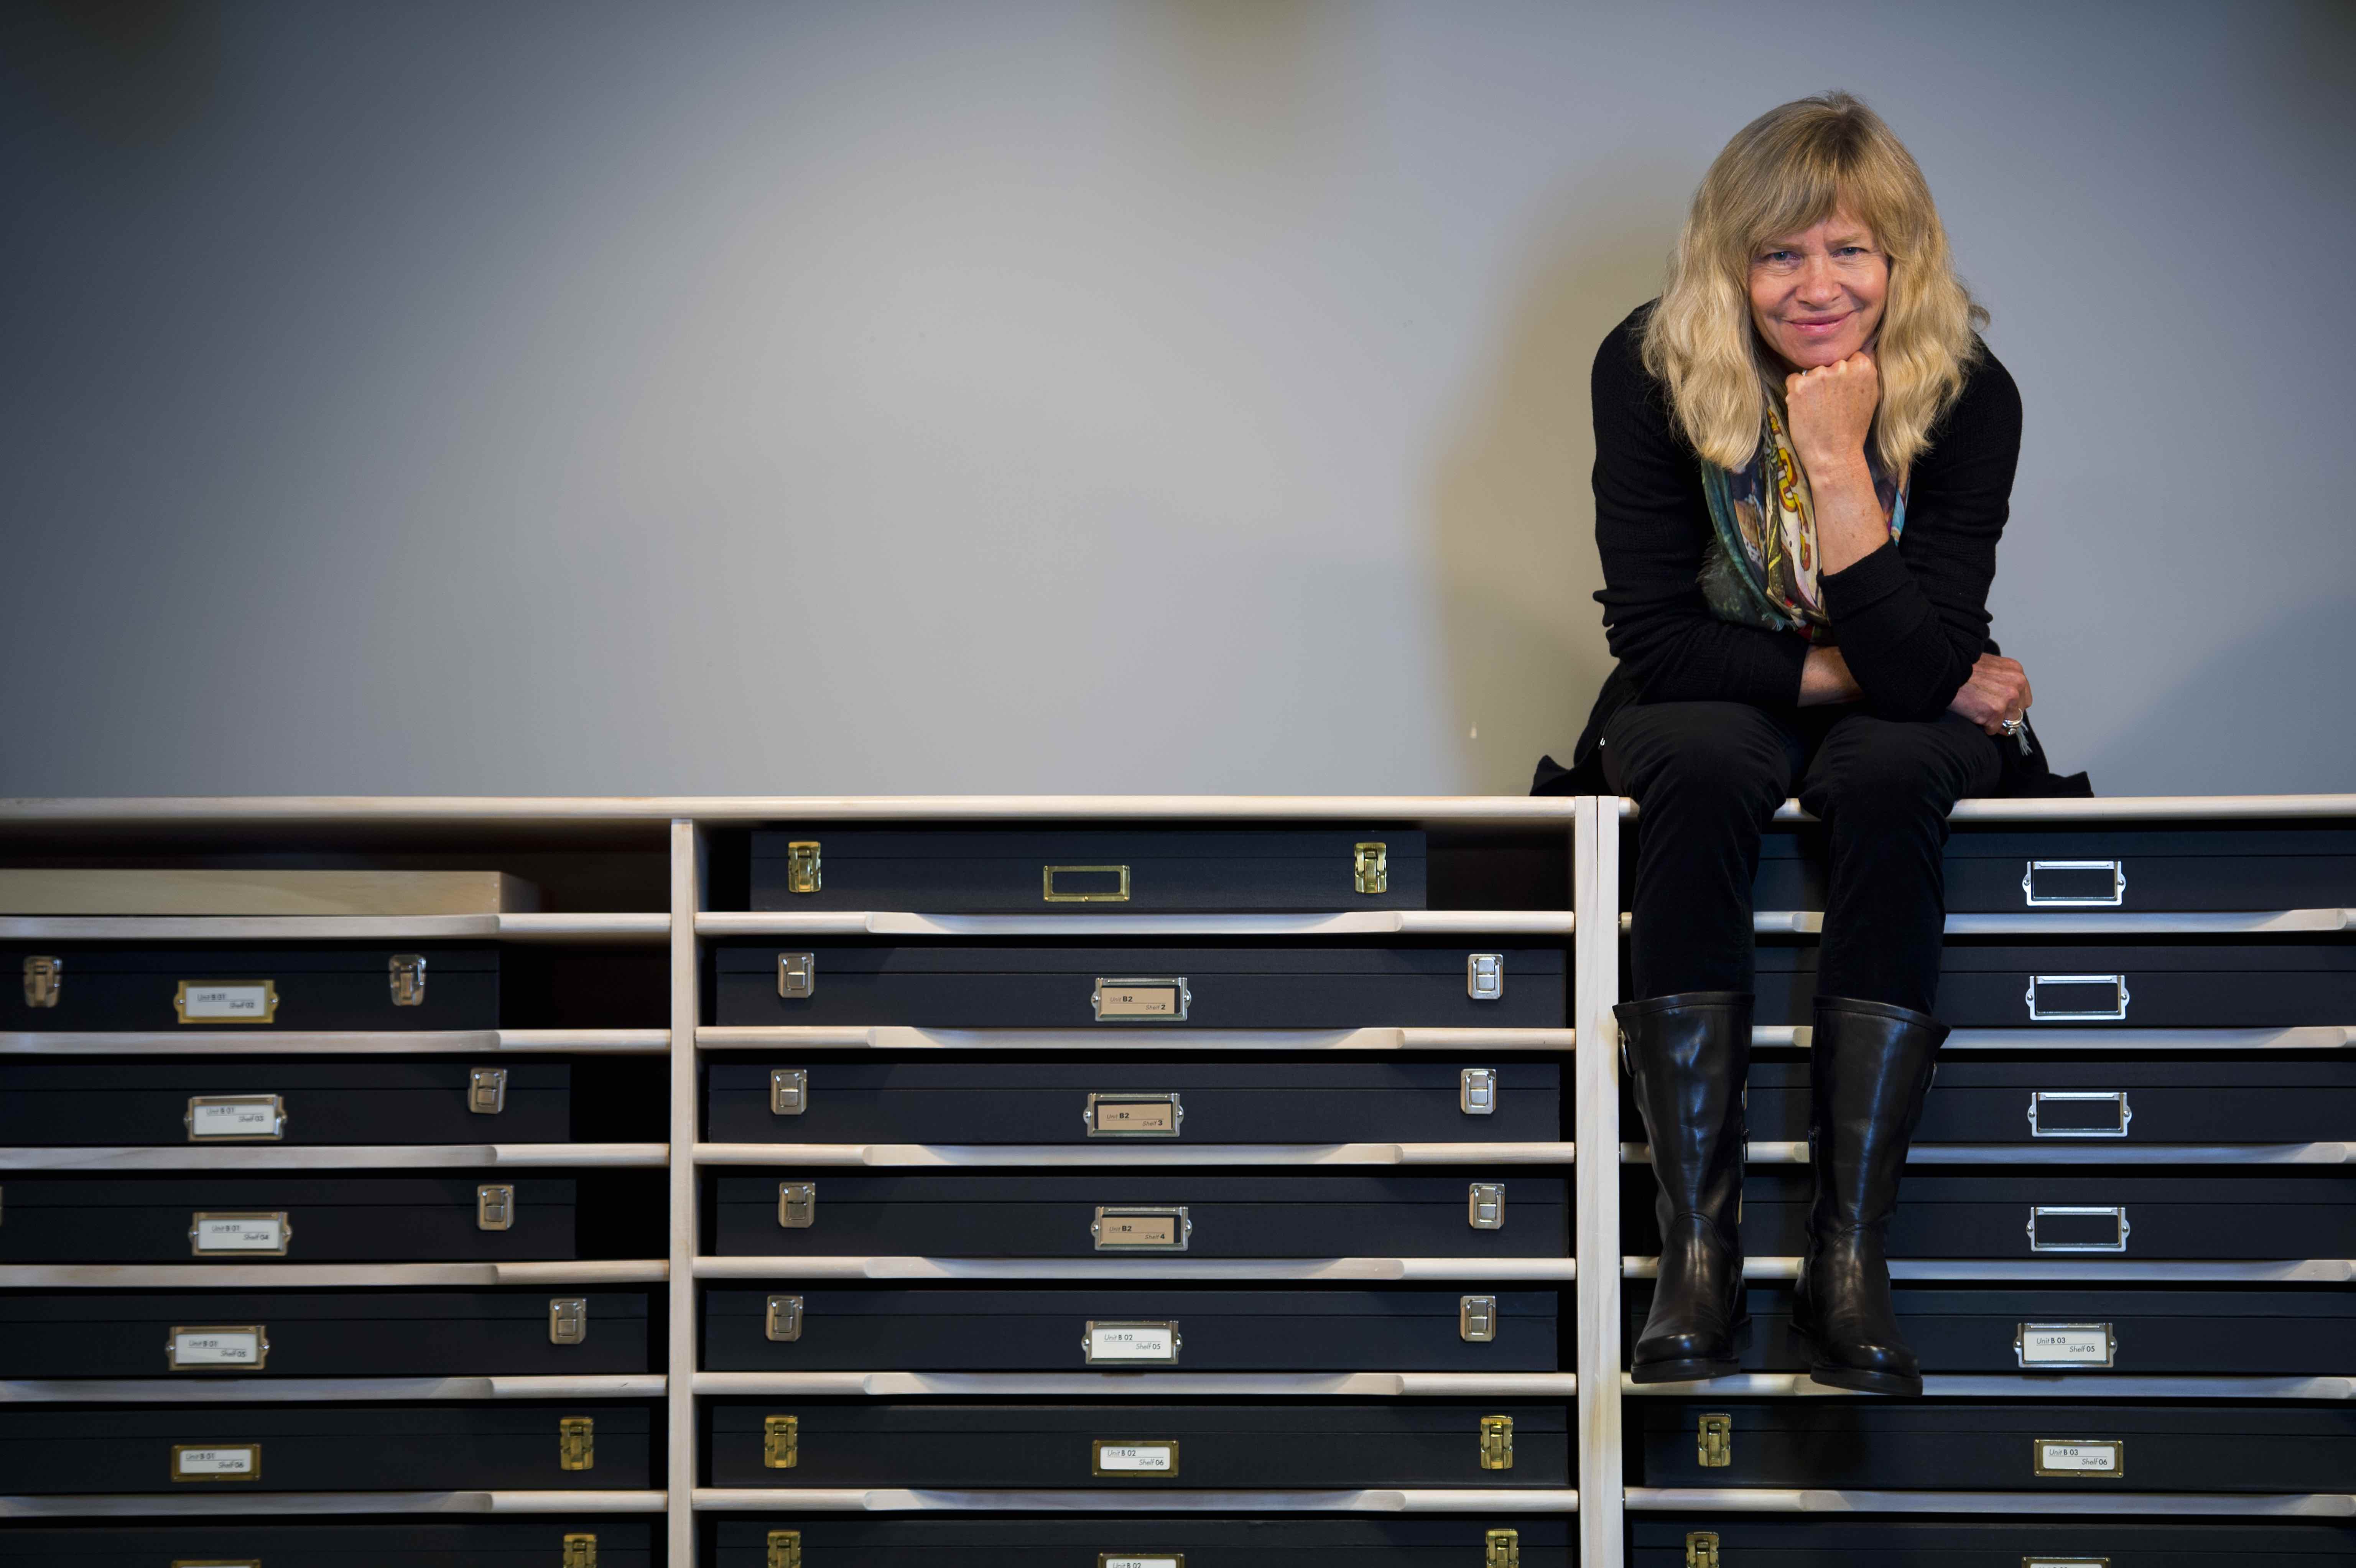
[1761,569]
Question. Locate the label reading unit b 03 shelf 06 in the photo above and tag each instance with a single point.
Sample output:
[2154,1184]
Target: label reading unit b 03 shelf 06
[2106,1458]
[253,1234]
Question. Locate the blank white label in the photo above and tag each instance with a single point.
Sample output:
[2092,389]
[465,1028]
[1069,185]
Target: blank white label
[2079,1458]
[259,1233]
[227,1001]
[2065,1345]
[255,1118]
[1139,1342]
[217,1348]
[1148,1458]
[241,1461]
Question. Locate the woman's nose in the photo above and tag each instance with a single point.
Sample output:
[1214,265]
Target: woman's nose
[1819,283]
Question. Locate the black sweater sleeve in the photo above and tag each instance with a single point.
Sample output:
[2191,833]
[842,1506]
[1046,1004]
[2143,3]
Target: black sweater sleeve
[1651,524]
[1910,618]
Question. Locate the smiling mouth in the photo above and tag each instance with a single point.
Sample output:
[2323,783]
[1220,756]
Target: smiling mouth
[1820,325]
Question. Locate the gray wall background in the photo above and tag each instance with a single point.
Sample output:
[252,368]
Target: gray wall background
[1172,396]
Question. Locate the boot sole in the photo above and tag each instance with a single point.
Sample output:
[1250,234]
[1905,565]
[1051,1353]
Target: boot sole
[1681,1371]
[1863,1382]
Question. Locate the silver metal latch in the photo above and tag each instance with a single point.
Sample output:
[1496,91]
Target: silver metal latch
[785,1319]
[405,972]
[1476,1091]
[1370,867]
[1496,1442]
[789,1091]
[1485,1206]
[1714,1442]
[1501,1548]
[43,978]
[580,1551]
[798,1203]
[1485,976]
[1701,1549]
[486,1090]
[803,871]
[494,1208]
[1476,1318]
[568,1319]
[797,974]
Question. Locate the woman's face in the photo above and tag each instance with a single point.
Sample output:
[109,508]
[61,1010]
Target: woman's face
[1817,296]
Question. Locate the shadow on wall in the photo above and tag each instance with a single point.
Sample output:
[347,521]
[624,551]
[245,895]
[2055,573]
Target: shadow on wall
[2257,718]
[1512,513]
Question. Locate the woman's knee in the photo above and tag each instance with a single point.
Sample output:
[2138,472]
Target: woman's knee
[1726,756]
[1892,768]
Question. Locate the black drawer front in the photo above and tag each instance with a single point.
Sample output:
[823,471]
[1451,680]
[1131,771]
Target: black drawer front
[1086,871]
[2064,986]
[2148,870]
[621,1542]
[2014,1446]
[161,986]
[2062,1101]
[1190,1447]
[974,1330]
[958,986]
[2143,1332]
[56,1104]
[1057,1216]
[323,1333]
[1299,1543]
[213,1450]
[1659,1540]
[2225,1215]
[319,1219]
[1143,1102]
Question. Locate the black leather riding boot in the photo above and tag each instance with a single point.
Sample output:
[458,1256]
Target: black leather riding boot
[1687,1056]
[1869,1071]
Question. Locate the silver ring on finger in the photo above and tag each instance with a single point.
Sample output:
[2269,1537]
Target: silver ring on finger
[2013,724]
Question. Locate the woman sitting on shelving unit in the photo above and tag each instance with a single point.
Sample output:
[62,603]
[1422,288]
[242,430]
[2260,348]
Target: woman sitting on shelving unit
[1804,457]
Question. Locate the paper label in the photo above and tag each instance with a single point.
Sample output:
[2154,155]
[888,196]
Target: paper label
[215,1348]
[2078,1458]
[2065,1562]
[1132,1342]
[1136,1116]
[1117,1562]
[1137,1458]
[255,1116]
[241,1459]
[1138,1001]
[246,1000]
[1139,1230]
[239,1233]
[2065,1344]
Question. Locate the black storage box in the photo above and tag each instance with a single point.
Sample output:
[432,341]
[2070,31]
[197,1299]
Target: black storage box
[566,1330]
[71,987]
[1661,1541]
[2135,1331]
[49,1104]
[291,1215]
[971,986]
[2230,1213]
[1299,1444]
[961,1329]
[2072,985]
[2057,1100]
[620,1542]
[1143,1101]
[1131,1541]
[1087,871]
[2150,870]
[1119,1214]
[198,1450]
[2004,1446]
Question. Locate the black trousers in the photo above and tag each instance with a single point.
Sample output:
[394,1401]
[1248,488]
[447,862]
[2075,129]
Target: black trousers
[1707,776]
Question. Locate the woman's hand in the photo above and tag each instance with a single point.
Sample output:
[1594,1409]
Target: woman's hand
[1825,678]
[1830,409]
[1997,689]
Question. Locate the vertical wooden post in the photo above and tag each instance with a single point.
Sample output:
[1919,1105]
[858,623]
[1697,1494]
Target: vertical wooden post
[1595,942]
[687,885]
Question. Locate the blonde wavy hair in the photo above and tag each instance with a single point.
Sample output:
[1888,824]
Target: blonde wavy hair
[1789,170]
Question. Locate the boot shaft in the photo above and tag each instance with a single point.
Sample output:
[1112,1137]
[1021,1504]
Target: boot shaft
[1870,1067]
[1686,1056]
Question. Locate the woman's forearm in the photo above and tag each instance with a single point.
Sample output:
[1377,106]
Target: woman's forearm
[1849,522]
[1825,678]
